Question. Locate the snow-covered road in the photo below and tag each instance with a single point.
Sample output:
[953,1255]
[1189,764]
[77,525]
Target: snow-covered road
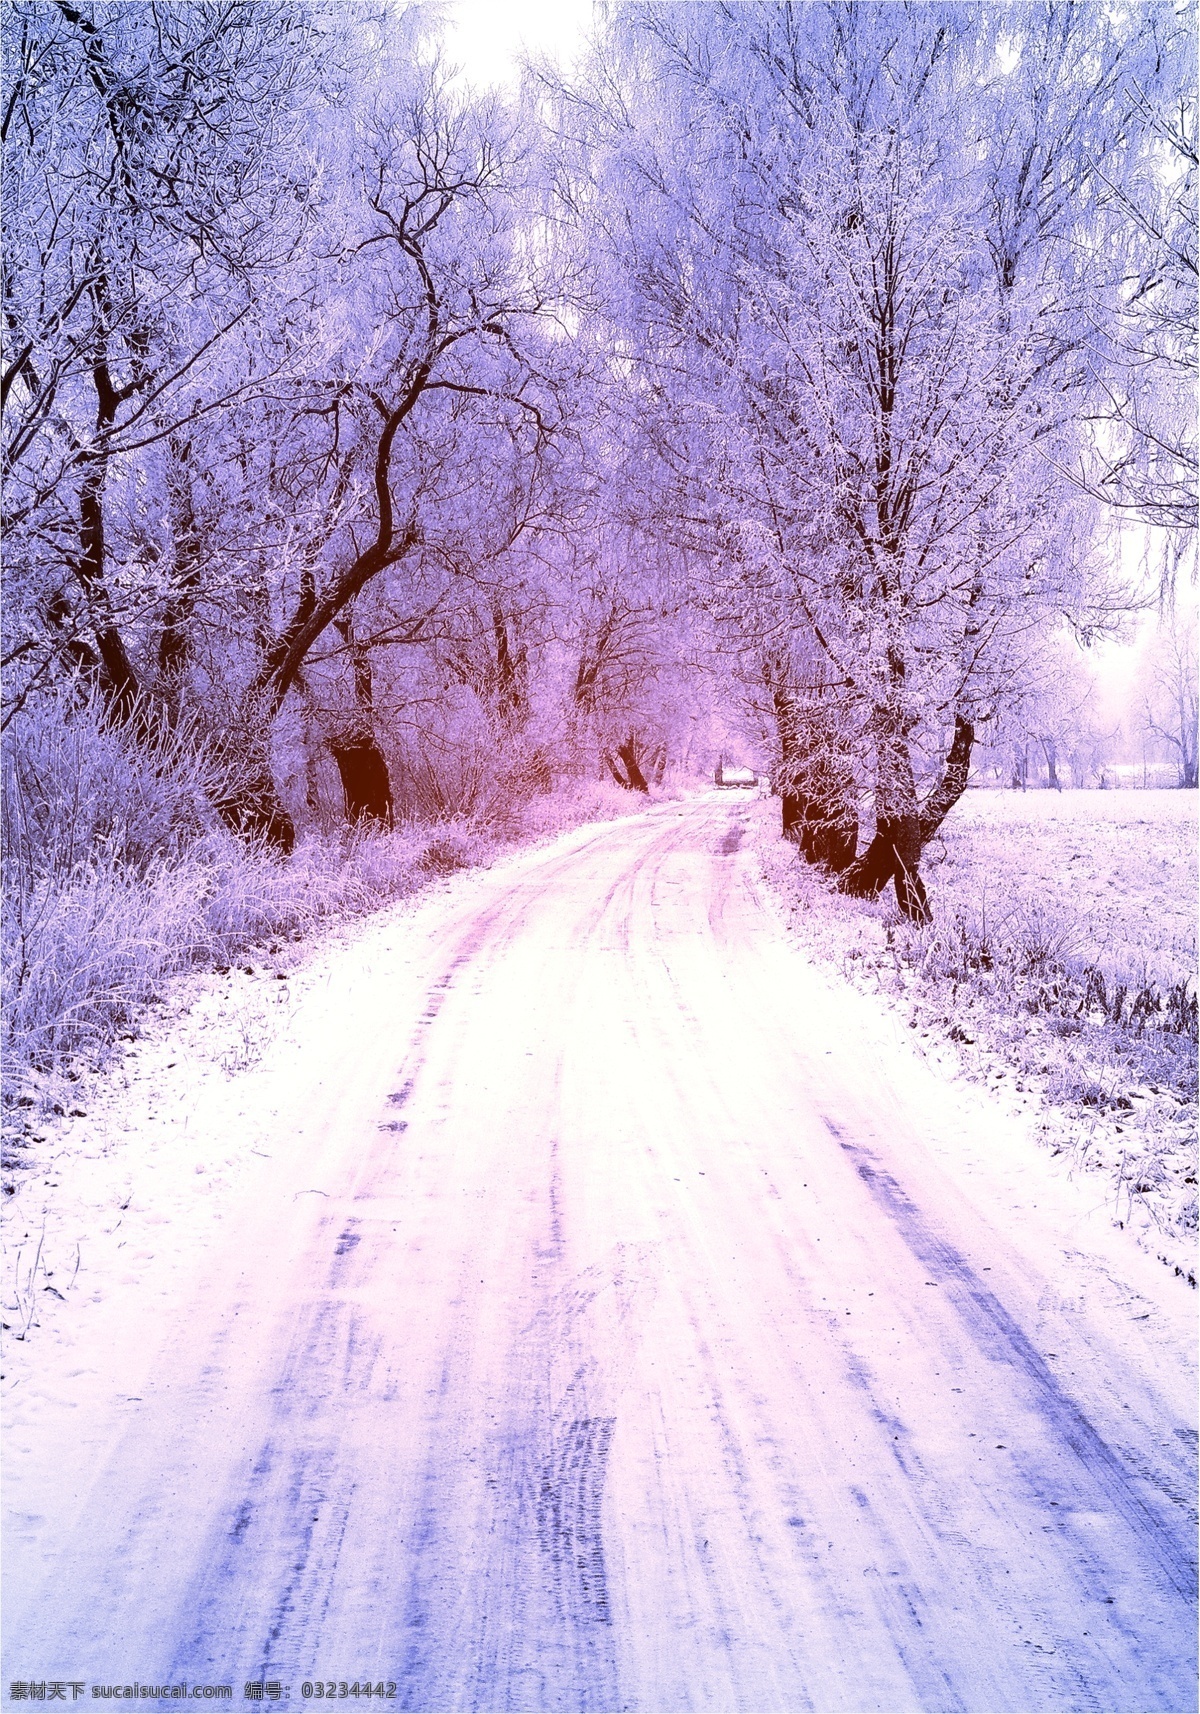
[629,1322]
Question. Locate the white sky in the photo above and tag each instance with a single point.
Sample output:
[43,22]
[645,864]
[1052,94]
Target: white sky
[486,37]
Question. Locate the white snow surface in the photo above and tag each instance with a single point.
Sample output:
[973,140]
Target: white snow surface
[1115,870]
[585,1302]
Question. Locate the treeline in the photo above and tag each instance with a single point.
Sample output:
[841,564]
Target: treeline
[911,290]
[300,451]
[771,380]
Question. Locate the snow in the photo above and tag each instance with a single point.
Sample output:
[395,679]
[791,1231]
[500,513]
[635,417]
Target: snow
[1120,867]
[459,1311]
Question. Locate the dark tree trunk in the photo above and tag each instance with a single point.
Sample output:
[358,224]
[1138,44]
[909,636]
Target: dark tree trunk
[953,782]
[894,854]
[821,837]
[911,895]
[902,835]
[175,641]
[117,678]
[365,781]
[792,805]
[628,773]
[511,673]
[834,843]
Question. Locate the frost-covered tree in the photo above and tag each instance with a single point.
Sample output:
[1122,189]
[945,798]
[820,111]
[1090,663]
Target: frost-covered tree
[277,380]
[845,255]
[417,441]
[1170,702]
[153,189]
[348,416]
[1144,457]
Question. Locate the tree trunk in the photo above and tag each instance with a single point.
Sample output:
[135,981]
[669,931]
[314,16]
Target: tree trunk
[365,781]
[118,680]
[175,640]
[253,810]
[821,837]
[632,777]
[829,839]
[953,782]
[903,828]
[511,674]
[894,854]
[792,805]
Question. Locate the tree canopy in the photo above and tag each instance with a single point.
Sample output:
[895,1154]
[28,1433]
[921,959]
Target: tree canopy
[779,372]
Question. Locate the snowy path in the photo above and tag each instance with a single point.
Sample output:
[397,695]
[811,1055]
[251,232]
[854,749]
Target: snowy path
[613,1333]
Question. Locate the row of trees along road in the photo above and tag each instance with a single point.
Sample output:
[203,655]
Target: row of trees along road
[906,288]
[786,357]
[292,426]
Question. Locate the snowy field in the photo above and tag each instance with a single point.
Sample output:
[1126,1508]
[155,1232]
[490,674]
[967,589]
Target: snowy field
[1113,872]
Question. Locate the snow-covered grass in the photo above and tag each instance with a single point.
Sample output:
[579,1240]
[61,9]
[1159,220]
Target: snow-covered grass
[1060,966]
[1113,873]
[85,951]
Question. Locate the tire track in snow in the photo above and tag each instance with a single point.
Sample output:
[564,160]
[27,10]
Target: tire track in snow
[570,1533]
[1004,1341]
[1064,1682]
[534,1637]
